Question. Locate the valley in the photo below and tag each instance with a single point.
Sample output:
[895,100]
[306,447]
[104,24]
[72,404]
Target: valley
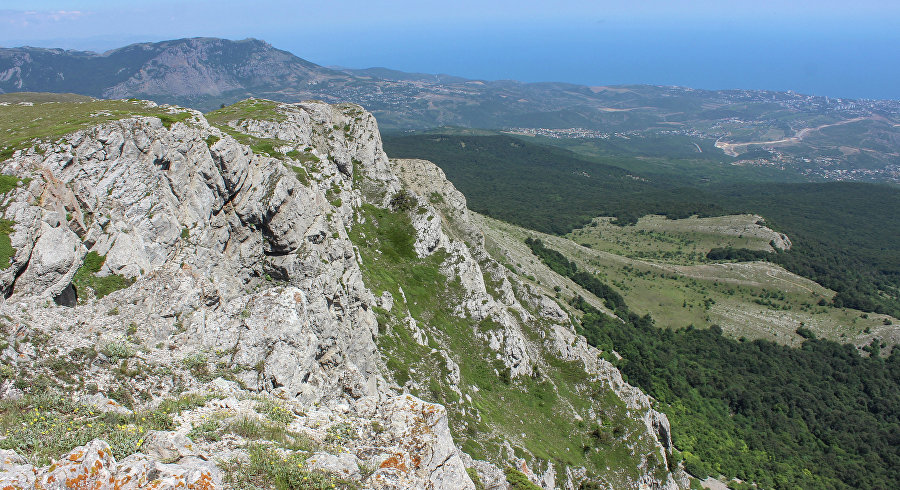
[456,284]
[665,273]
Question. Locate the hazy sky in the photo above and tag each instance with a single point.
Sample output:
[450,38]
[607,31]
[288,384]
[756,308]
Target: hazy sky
[839,48]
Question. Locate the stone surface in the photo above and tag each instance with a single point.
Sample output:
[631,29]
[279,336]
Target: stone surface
[246,285]
[104,404]
[93,466]
[344,465]
[167,446]
[425,456]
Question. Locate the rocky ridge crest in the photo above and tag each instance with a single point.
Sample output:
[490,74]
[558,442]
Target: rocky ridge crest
[154,261]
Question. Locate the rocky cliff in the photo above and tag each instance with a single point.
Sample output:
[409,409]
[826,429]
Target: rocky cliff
[260,295]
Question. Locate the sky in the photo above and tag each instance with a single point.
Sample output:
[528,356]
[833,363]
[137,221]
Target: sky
[823,47]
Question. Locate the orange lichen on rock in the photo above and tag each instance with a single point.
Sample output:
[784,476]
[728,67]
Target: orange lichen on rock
[394,462]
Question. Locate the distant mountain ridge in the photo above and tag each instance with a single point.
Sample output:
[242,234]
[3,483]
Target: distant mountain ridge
[820,137]
[206,72]
[186,69]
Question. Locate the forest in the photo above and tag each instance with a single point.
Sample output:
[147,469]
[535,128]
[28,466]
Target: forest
[821,416]
[846,236]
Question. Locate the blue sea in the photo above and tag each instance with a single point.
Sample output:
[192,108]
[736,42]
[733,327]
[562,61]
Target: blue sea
[850,60]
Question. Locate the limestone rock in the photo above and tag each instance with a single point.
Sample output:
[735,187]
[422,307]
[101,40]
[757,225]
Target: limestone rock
[88,466]
[137,472]
[344,465]
[54,259]
[244,269]
[425,456]
[93,466]
[167,446]
[15,472]
[104,404]
[492,477]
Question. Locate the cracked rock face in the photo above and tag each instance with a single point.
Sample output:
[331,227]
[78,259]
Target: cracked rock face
[93,466]
[425,451]
[227,264]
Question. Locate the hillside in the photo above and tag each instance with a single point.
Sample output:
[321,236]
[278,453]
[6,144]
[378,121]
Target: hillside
[258,297]
[803,136]
[185,70]
[845,234]
[659,266]
[719,390]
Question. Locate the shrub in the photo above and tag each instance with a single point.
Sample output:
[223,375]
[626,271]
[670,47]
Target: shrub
[117,350]
[518,481]
[403,201]
[473,475]
[275,412]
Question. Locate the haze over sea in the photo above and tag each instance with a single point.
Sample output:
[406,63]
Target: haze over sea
[822,47]
[861,62]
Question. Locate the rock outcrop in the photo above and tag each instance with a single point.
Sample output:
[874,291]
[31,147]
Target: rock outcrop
[157,259]
[93,466]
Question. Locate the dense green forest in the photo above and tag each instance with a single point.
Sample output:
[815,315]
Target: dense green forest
[846,236]
[737,254]
[821,416]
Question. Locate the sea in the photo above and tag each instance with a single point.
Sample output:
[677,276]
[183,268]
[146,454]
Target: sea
[845,60]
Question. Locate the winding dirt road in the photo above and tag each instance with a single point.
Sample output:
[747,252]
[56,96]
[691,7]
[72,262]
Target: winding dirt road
[730,149]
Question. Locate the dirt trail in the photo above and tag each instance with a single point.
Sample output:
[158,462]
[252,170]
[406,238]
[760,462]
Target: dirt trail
[773,276]
[731,148]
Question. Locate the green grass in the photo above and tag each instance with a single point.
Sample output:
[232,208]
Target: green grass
[255,109]
[182,403]
[301,174]
[267,468]
[86,277]
[10,182]
[261,430]
[44,427]
[274,411]
[116,351]
[680,241]
[303,157]
[518,481]
[540,407]
[7,251]
[169,119]
[21,126]
[660,273]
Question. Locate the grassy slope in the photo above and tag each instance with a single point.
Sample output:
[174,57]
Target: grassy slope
[753,299]
[22,125]
[682,241]
[821,416]
[846,235]
[537,414]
